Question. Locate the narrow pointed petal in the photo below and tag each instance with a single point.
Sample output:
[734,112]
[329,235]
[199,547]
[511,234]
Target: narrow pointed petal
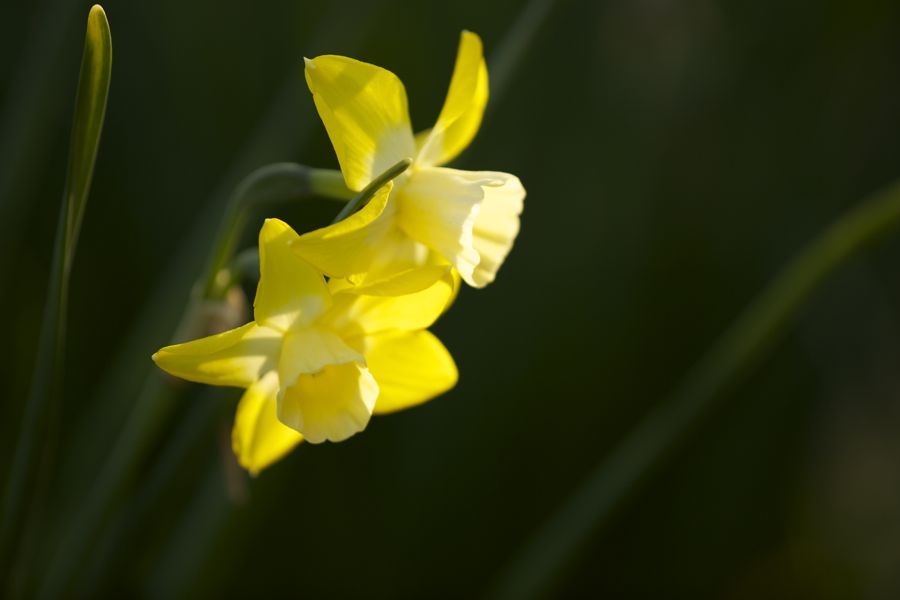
[355,315]
[410,368]
[330,405]
[408,281]
[290,290]
[463,108]
[399,265]
[348,247]
[234,358]
[497,224]
[365,112]
[438,207]
[258,437]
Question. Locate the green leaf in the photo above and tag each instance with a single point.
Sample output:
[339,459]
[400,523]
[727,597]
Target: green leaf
[90,111]
[35,436]
[540,563]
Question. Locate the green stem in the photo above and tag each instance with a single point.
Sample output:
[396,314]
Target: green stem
[267,184]
[535,569]
[270,183]
[329,183]
[278,182]
[366,194]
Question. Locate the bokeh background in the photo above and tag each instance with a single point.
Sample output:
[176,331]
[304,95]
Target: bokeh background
[676,154]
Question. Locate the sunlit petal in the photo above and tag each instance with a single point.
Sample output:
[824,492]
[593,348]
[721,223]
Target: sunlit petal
[348,247]
[410,368]
[438,207]
[400,283]
[497,223]
[354,314]
[290,290]
[397,255]
[463,108]
[365,112]
[258,437]
[234,358]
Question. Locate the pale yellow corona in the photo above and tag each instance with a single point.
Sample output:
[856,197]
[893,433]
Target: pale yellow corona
[434,217]
[319,358]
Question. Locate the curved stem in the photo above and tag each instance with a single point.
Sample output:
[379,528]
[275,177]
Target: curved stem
[330,184]
[278,182]
[267,184]
[362,198]
[619,475]
[271,183]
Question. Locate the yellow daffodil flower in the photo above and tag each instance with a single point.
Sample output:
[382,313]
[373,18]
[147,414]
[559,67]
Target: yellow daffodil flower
[435,216]
[319,359]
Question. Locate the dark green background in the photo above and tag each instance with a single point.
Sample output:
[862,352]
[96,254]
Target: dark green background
[675,153]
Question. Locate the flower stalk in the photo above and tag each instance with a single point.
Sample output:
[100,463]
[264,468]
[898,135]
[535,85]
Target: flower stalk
[362,198]
[278,182]
[271,183]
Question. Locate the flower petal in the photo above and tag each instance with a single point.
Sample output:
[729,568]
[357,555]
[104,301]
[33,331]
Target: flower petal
[233,358]
[355,315]
[408,281]
[290,290]
[347,248]
[463,108]
[365,112]
[438,207]
[258,437]
[410,368]
[332,404]
[497,223]
[400,265]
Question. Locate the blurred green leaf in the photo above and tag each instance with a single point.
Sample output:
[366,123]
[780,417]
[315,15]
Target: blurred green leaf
[90,109]
[618,477]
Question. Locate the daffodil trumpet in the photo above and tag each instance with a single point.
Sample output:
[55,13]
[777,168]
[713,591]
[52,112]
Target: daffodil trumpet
[318,359]
[435,217]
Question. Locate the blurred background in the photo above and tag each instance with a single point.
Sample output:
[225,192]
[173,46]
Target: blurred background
[675,153]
